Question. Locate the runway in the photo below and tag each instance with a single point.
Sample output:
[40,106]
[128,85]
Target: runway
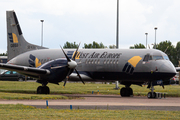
[113,102]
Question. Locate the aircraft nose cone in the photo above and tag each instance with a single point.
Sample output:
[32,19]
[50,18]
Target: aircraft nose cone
[72,64]
[168,68]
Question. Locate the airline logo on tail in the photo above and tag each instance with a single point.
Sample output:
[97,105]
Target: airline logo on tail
[33,61]
[13,39]
[131,64]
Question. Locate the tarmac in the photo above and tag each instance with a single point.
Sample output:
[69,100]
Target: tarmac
[110,102]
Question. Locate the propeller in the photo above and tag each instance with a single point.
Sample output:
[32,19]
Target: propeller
[71,65]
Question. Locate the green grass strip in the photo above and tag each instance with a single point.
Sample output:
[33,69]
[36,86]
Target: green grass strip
[18,112]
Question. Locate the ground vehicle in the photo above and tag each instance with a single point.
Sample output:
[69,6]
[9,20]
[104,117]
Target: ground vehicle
[11,76]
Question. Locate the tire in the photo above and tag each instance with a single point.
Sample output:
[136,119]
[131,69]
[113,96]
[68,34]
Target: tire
[123,92]
[126,92]
[46,90]
[20,79]
[130,91]
[43,90]
[149,95]
[39,90]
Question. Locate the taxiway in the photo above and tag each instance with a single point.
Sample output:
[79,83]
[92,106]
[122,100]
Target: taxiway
[114,102]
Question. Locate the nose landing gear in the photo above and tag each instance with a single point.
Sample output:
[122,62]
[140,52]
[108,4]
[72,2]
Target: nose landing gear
[151,94]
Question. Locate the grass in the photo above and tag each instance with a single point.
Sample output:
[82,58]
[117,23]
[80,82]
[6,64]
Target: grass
[31,113]
[27,90]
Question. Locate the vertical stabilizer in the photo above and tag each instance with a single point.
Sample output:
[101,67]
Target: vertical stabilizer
[16,44]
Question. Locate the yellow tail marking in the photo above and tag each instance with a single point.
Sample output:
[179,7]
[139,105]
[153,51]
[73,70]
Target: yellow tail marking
[134,60]
[15,39]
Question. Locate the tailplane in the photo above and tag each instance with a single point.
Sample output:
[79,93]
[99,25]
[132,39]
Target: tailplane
[16,44]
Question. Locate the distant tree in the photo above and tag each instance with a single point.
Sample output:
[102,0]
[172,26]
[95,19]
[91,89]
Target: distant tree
[137,46]
[178,51]
[170,50]
[70,45]
[3,54]
[94,45]
[112,46]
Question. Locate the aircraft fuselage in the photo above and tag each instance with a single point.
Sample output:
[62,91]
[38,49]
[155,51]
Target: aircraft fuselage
[107,64]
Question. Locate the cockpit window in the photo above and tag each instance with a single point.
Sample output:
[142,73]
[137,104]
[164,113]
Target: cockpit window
[166,57]
[154,57]
[157,57]
[146,57]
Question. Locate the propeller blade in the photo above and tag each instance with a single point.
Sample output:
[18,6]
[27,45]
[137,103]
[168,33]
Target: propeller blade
[79,77]
[66,55]
[76,52]
[59,67]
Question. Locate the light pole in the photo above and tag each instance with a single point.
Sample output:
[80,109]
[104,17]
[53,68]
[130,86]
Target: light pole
[146,39]
[117,38]
[42,33]
[155,28]
[117,27]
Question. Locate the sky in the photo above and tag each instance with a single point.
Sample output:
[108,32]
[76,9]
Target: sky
[86,21]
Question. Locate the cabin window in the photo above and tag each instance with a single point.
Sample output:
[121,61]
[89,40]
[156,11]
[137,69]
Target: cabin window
[98,62]
[89,61]
[94,61]
[111,61]
[107,61]
[104,61]
[114,62]
[86,61]
[117,62]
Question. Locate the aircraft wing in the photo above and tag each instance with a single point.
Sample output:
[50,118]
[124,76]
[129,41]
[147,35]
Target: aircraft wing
[29,71]
[177,69]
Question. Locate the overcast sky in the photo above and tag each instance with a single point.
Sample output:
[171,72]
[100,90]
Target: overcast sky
[86,21]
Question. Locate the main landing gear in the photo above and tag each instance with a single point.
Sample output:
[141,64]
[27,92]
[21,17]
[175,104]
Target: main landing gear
[43,90]
[126,91]
[151,94]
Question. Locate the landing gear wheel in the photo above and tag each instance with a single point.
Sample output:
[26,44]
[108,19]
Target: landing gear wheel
[123,92]
[43,90]
[46,90]
[126,92]
[39,90]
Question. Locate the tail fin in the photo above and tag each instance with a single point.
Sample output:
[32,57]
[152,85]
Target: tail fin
[16,44]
